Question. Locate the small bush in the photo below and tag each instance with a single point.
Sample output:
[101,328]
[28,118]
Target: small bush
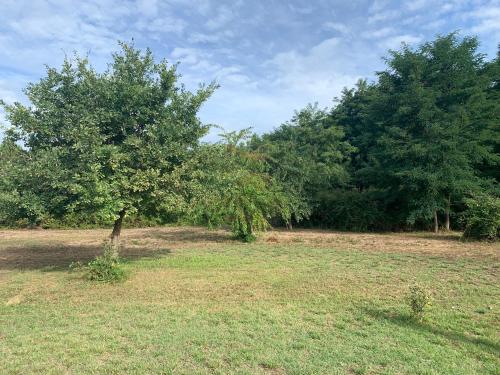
[246,237]
[418,299]
[482,218]
[105,268]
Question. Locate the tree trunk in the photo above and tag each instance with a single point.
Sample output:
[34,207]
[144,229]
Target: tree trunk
[436,223]
[115,234]
[447,213]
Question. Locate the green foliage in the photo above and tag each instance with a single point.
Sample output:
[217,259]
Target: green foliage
[391,154]
[97,144]
[419,299]
[354,112]
[350,210]
[423,132]
[482,218]
[430,143]
[489,117]
[19,205]
[105,268]
[229,185]
[307,155]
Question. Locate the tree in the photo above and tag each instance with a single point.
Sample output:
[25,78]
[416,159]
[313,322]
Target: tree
[307,155]
[431,144]
[354,113]
[490,115]
[110,142]
[229,185]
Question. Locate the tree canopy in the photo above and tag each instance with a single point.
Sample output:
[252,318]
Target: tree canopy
[403,151]
[411,149]
[232,186]
[106,144]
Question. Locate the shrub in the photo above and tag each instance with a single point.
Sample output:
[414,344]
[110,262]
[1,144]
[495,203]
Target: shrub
[418,299]
[245,237]
[482,218]
[105,268]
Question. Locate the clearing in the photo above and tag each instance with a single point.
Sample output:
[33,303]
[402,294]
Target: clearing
[298,302]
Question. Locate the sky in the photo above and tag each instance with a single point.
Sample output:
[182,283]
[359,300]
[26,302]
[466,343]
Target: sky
[270,57]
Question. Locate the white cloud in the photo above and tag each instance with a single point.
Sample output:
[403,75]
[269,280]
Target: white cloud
[162,25]
[198,65]
[416,4]
[433,25]
[317,75]
[148,7]
[445,8]
[378,33]
[385,15]
[223,15]
[187,55]
[336,26]
[266,55]
[488,18]
[7,94]
[212,37]
[378,5]
[303,10]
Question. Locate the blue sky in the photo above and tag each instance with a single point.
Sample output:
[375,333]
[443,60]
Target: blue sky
[270,57]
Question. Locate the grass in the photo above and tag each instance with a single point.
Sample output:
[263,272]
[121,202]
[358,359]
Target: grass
[301,302]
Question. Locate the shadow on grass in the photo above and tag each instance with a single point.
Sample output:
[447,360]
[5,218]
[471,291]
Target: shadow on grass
[407,321]
[58,257]
[190,235]
[30,254]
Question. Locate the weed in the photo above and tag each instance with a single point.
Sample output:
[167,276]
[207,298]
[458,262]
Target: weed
[106,267]
[418,299]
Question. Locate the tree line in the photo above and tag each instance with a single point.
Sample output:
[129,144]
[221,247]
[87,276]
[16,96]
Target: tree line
[418,148]
[408,151]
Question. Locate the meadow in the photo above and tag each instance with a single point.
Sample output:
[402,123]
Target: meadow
[294,302]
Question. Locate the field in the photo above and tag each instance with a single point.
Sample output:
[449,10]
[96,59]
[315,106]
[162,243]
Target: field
[299,302]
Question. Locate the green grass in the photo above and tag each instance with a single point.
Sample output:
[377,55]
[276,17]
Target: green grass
[275,308]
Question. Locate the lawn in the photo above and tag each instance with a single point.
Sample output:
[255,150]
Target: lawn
[299,302]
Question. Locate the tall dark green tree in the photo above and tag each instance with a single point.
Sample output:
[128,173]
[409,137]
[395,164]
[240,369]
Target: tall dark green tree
[108,144]
[354,112]
[490,115]
[308,155]
[428,100]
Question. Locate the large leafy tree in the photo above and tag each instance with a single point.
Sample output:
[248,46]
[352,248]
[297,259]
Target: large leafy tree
[108,144]
[367,203]
[490,115]
[427,103]
[354,114]
[308,155]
